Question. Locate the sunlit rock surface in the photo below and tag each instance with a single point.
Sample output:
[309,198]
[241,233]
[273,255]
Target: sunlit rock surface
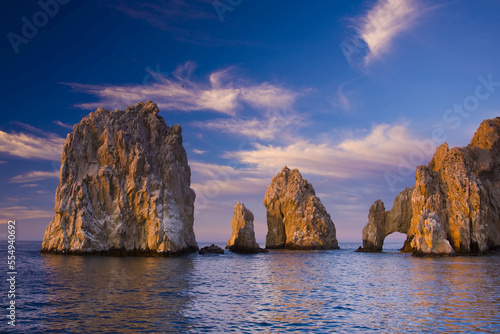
[381,223]
[124,187]
[296,218]
[455,203]
[243,234]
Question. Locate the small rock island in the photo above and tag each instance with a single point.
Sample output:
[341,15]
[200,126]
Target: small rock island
[454,206]
[243,236]
[296,218]
[124,187]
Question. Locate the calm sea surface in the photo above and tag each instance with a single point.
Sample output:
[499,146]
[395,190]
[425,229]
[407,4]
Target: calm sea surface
[282,291]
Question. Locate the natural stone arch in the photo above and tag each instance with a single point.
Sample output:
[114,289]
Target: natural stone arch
[381,223]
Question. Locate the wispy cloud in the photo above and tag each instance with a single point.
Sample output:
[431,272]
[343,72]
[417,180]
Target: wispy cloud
[165,14]
[34,176]
[196,151]
[213,180]
[23,212]
[364,156]
[29,146]
[342,99]
[64,125]
[272,124]
[384,22]
[222,93]
[178,17]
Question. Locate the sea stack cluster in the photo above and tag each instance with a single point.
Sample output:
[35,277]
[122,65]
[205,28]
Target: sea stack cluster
[124,189]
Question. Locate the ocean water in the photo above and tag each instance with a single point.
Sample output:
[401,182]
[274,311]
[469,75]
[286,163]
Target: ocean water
[282,291]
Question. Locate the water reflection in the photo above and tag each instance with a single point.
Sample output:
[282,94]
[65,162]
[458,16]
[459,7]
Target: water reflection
[116,293]
[283,291]
[467,293]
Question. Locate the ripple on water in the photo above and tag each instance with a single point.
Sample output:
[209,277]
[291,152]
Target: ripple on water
[282,291]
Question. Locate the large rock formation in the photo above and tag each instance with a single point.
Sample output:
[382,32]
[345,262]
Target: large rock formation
[243,236]
[124,187]
[381,223]
[296,218]
[455,202]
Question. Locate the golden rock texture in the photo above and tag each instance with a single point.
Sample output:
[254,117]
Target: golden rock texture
[455,202]
[243,236]
[124,187]
[296,218]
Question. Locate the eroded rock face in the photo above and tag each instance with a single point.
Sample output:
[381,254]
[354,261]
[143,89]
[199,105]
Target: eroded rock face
[455,203]
[296,218]
[381,223]
[461,187]
[124,187]
[243,236]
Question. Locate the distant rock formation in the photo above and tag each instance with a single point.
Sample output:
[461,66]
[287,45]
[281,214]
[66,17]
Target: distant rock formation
[455,203]
[124,187]
[381,223]
[243,236]
[212,249]
[296,218]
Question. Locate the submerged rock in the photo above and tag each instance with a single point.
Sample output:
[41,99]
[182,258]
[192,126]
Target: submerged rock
[296,218]
[243,236]
[124,187]
[455,202]
[212,249]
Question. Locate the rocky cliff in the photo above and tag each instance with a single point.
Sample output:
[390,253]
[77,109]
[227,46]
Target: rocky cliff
[455,203]
[243,236]
[296,218]
[124,187]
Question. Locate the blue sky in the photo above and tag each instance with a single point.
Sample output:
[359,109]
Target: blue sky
[353,93]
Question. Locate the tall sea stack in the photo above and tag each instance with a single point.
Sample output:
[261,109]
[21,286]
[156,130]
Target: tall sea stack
[124,187]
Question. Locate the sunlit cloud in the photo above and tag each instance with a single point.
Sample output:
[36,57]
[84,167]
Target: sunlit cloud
[222,93]
[29,146]
[272,124]
[196,151]
[364,156]
[213,180]
[23,212]
[34,176]
[384,22]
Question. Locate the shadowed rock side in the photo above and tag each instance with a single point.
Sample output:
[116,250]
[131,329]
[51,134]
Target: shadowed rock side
[456,199]
[381,223]
[124,187]
[296,218]
[212,249]
[243,236]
